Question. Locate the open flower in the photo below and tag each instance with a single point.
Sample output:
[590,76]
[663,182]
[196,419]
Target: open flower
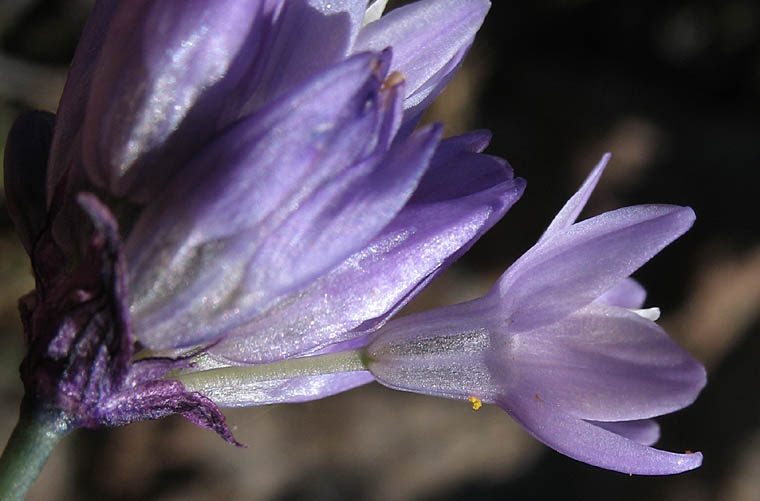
[238,180]
[559,343]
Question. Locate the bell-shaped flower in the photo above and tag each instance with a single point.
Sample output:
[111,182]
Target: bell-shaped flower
[238,180]
[560,342]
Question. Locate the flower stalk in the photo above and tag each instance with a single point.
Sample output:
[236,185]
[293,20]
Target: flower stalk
[317,365]
[28,448]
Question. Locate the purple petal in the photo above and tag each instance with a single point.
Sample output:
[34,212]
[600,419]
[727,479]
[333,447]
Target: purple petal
[643,431]
[602,363]
[474,141]
[461,196]
[26,159]
[71,110]
[141,95]
[309,35]
[572,209]
[418,102]
[591,444]
[274,203]
[577,265]
[343,217]
[627,294]
[426,37]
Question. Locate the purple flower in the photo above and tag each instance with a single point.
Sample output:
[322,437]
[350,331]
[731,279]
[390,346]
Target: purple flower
[236,182]
[560,343]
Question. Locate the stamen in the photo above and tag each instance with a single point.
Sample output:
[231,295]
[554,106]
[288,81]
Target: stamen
[649,313]
[395,78]
[476,403]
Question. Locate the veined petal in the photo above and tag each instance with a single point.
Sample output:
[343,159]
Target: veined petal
[425,37]
[627,294]
[416,103]
[67,140]
[574,267]
[309,35]
[572,209]
[343,216]
[265,188]
[474,141]
[603,363]
[460,197]
[592,444]
[141,95]
[643,431]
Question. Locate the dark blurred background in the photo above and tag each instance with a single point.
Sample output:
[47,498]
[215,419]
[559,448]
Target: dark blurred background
[671,88]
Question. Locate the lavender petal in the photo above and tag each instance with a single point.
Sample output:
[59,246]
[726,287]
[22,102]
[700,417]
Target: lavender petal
[572,268]
[592,444]
[643,431]
[459,198]
[157,61]
[426,37]
[627,294]
[259,225]
[572,209]
[308,36]
[602,363]
[67,141]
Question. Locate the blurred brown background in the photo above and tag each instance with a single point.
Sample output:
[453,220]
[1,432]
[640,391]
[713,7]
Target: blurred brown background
[671,88]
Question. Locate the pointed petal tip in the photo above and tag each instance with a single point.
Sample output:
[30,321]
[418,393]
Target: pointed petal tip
[589,443]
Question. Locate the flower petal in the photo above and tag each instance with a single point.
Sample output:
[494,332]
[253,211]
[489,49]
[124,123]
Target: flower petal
[573,267]
[67,141]
[260,210]
[627,294]
[308,36]
[602,363]
[572,209]
[643,431]
[426,37]
[591,444]
[158,65]
[460,197]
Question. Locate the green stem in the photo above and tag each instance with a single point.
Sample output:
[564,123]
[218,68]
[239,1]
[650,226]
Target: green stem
[27,450]
[330,363]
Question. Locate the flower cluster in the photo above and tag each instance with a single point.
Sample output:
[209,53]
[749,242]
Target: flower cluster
[234,199]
